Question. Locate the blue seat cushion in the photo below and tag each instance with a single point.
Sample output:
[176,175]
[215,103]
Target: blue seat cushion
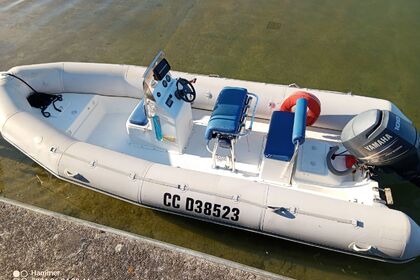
[279,144]
[228,112]
[138,116]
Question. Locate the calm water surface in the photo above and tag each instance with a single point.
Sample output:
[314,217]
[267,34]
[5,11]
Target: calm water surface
[366,47]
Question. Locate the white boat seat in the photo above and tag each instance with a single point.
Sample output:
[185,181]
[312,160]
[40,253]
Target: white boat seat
[138,116]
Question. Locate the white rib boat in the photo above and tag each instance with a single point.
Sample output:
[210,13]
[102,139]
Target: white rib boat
[220,150]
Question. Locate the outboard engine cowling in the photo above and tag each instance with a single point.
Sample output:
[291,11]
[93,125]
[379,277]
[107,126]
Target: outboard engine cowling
[382,138]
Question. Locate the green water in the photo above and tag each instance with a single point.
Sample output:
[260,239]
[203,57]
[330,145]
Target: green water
[367,47]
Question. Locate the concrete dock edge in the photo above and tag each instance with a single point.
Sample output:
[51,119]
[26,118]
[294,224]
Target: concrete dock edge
[39,244]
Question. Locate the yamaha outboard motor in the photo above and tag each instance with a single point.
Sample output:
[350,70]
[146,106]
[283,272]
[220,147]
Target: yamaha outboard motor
[382,138]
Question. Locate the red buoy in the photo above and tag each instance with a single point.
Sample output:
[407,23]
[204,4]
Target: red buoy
[314,106]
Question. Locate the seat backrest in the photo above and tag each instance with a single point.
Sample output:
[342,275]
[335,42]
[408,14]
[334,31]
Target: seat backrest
[228,112]
[299,122]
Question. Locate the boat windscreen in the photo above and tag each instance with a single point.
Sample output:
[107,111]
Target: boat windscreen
[148,78]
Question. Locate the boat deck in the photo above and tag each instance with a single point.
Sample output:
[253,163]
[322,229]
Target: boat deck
[102,120]
[111,133]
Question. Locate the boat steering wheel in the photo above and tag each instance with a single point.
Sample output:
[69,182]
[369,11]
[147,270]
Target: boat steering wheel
[185,90]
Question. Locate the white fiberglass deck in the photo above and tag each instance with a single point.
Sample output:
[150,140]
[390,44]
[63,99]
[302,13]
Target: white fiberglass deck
[102,120]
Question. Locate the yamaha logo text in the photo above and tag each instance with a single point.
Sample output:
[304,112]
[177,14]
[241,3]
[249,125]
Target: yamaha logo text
[378,143]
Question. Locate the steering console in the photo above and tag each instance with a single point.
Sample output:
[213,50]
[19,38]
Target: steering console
[185,90]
